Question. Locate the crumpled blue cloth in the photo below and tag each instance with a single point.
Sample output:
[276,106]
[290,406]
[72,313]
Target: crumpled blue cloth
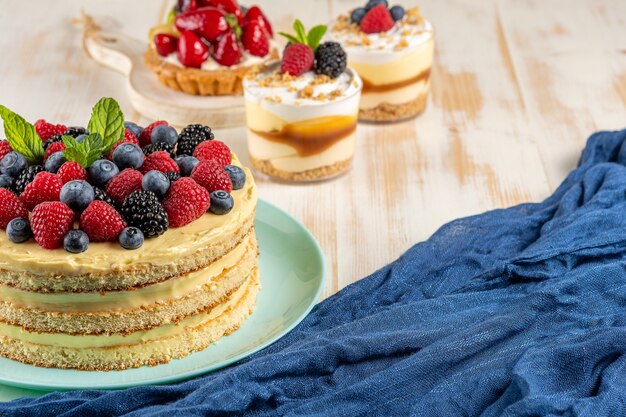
[515,312]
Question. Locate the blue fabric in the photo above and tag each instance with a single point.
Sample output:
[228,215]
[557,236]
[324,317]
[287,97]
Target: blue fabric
[515,312]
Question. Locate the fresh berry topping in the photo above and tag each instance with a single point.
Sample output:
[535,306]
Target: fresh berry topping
[77,194]
[192,52]
[26,177]
[54,162]
[10,208]
[255,39]
[373,3]
[255,13]
[53,148]
[124,184]
[172,176]
[134,128]
[237,176]
[150,149]
[397,13]
[377,20]
[226,50]
[357,15]
[45,187]
[215,150]
[160,161]
[6,182]
[81,138]
[229,7]
[164,134]
[18,230]
[100,195]
[128,155]
[131,238]
[50,222]
[76,241]
[53,139]
[330,59]
[297,59]
[221,202]
[46,130]
[102,171]
[129,137]
[144,137]
[157,182]
[212,176]
[5,148]
[143,210]
[186,164]
[12,164]
[208,22]
[184,5]
[76,131]
[101,222]
[165,44]
[185,202]
[71,171]
[192,136]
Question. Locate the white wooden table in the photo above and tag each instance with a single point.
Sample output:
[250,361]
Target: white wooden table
[518,85]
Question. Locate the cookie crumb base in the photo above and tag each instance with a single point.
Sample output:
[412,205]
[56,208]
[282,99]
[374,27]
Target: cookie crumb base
[317,174]
[386,112]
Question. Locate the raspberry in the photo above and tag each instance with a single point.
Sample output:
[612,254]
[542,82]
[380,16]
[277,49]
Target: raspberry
[50,223]
[215,150]
[160,161]
[297,59]
[123,185]
[101,222]
[45,187]
[129,137]
[71,171]
[377,20]
[212,176]
[144,138]
[46,130]
[54,147]
[10,208]
[185,202]
[5,148]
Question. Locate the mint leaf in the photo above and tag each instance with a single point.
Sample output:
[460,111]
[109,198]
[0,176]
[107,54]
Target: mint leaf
[22,136]
[86,152]
[300,31]
[289,37]
[107,120]
[315,35]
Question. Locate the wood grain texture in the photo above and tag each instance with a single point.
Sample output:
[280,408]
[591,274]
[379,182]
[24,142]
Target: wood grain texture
[517,87]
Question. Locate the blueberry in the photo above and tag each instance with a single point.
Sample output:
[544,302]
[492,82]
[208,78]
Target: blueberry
[18,230]
[80,138]
[237,176]
[164,134]
[397,13]
[357,15]
[6,181]
[77,194]
[221,202]
[76,241]
[128,155]
[131,238]
[186,164]
[156,182]
[102,171]
[54,162]
[12,164]
[373,3]
[133,127]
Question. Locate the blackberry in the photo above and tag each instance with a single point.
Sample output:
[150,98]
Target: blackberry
[330,59]
[26,177]
[76,131]
[172,176]
[192,136]
[102,196]
[143,210]
[162,146]
[55,138]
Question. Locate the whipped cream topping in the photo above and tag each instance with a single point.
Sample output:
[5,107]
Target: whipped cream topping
[247,60]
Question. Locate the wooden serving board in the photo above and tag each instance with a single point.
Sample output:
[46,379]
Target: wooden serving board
[148,96]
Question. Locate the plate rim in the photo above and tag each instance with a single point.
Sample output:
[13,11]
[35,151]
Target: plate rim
[200,371]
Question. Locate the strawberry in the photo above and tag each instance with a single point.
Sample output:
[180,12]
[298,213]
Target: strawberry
[215,150]
[45,187]
[184,5]
[129,137]
[50,222]
[192,52]
[255,13]
[226,50]
[185,202]
[160,161]
[10,208]
[123,185]
[101,222]
[255,39]
[46,130]
[5,148]
[144,137]
[297,59]
[208,22]
[54,147]
[165,44]
[212,176]
[377,20]
[228,6]
[71,171]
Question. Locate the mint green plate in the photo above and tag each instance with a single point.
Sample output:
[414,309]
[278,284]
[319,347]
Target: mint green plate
[292,277]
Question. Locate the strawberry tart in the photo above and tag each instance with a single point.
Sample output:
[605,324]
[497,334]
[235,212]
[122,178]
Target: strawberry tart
[122,246]
[207,46]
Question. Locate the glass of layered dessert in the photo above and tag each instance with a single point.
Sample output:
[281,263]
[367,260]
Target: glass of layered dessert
[302,112]
[392,50]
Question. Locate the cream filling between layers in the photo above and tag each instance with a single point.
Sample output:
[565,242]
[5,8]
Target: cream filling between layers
[247,60]
[397,96]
